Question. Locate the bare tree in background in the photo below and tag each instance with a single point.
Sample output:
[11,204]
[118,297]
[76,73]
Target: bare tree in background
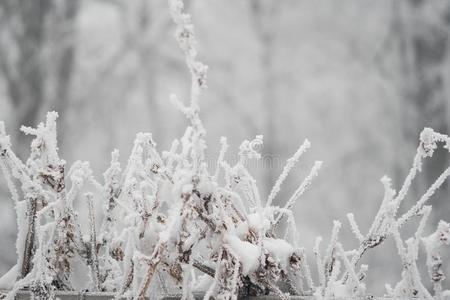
[424,47]
[37,58]
[151,28]
[264,18]
[134,67]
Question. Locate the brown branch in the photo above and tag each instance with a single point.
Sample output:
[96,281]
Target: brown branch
[203,268]
[30,237]
[153,262]
[93,260]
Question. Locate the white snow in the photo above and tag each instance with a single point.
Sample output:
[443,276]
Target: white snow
[258,222]
[280,249]
[248,253]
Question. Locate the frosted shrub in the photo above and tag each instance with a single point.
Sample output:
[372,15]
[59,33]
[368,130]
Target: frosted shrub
[168,222]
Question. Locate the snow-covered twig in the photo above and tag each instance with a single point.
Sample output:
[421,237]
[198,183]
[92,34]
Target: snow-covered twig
[287,168]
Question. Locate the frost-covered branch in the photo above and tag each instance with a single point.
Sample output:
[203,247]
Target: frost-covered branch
[386,218]
[432,244]
[287,168]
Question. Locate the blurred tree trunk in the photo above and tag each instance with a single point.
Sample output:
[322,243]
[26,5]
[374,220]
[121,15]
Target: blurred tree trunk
[21,59]
[147,58]
[64,46]
[425,51]
[37,58]
[264,14]
[147,28]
